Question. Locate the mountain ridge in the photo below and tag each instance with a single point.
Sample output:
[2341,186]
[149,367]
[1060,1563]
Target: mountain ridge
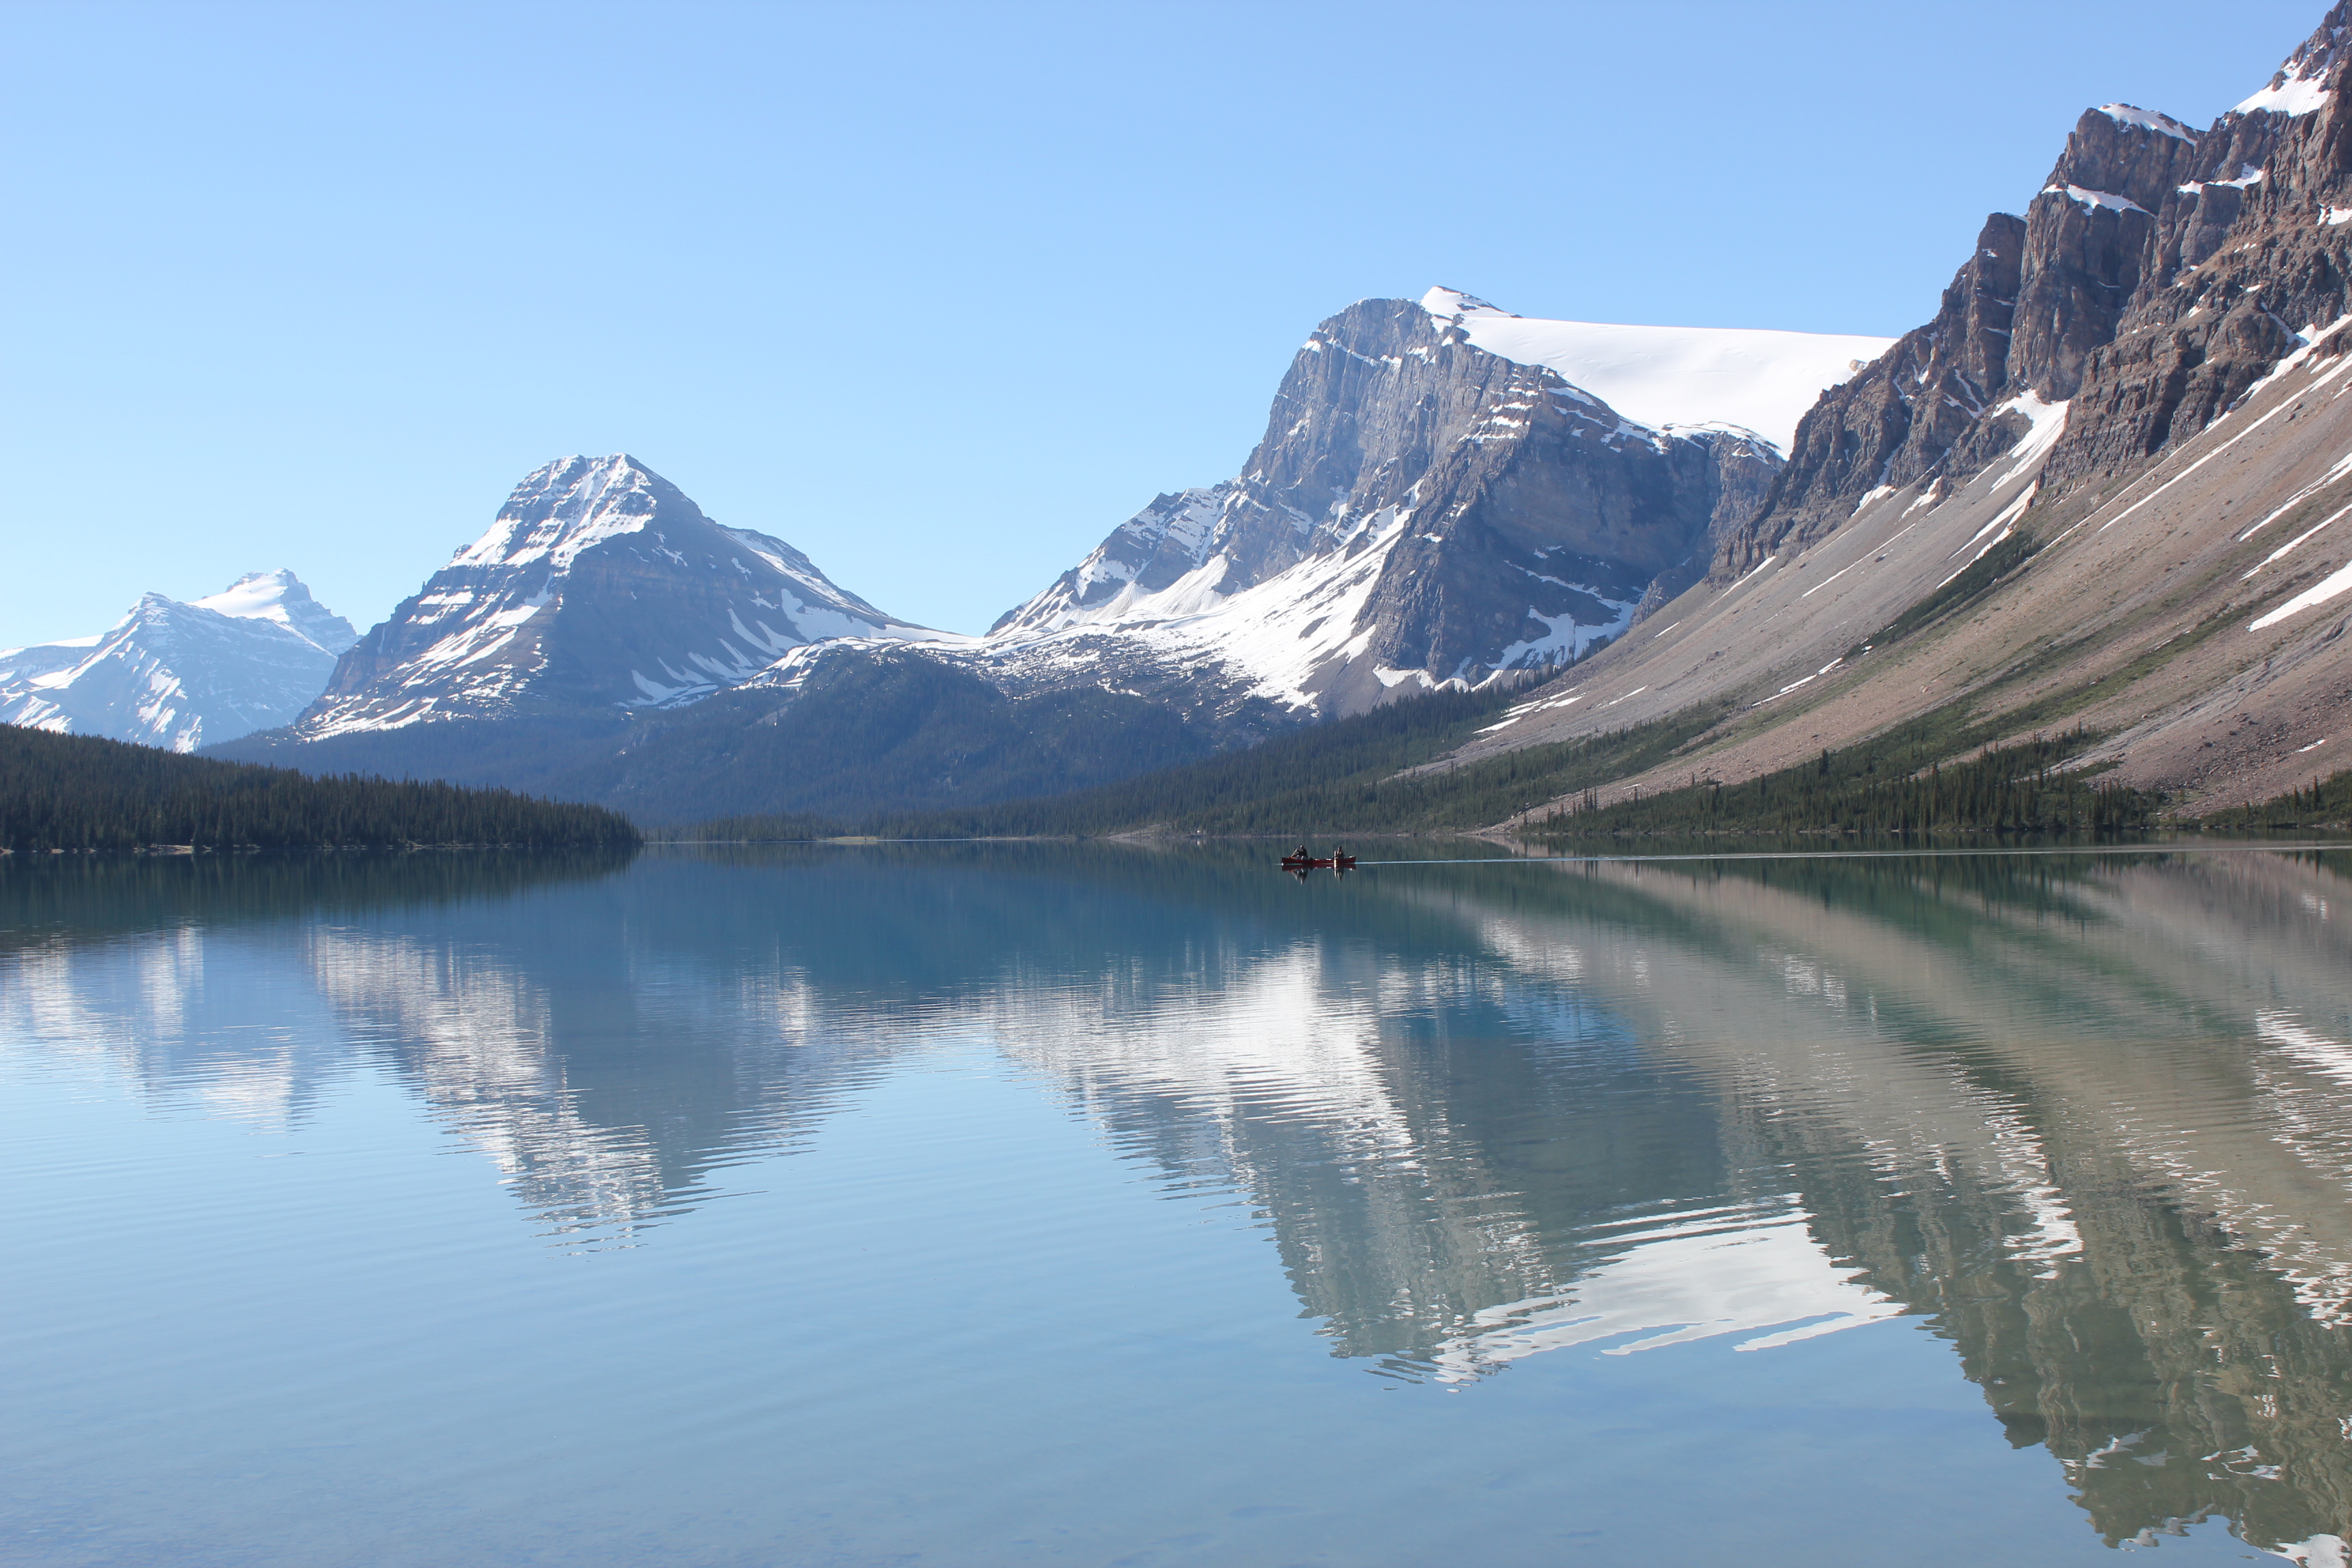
[1420,512]
[2161,465]
[183,675]
[598,586]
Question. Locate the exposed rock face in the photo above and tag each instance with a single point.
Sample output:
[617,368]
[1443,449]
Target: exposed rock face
[180,674]
[600,585]
[2159,273]
[1893,424]
[1420,510]
[2249,251]
[2089,235]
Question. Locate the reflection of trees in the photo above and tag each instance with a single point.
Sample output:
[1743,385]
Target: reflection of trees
[43,896]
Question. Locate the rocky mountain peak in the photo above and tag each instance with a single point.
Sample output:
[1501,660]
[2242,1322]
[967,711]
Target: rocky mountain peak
[2309,77]
[599,585]
[2089,235]
[1433,499]
[282,599]
[573,504]
[2159,272]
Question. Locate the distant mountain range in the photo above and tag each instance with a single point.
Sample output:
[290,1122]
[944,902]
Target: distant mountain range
[1424,509]
[2099,488]
[180,676]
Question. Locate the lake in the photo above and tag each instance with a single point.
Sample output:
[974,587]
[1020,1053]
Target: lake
[1142,1205]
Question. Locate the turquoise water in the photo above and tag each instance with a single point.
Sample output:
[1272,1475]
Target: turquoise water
[1024,1204]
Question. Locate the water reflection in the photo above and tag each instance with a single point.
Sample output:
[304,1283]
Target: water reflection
[2091,1118]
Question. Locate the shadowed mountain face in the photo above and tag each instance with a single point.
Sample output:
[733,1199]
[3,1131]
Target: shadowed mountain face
[2090,1119]
[1421,509]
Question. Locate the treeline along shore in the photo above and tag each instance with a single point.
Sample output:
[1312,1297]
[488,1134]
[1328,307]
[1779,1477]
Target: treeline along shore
[1383,772]
[1380,772]
[79,793]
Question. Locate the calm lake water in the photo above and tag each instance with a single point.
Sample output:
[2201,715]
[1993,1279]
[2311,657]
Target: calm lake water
[1029,1204]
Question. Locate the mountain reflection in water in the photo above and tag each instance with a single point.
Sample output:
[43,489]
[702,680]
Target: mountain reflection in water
[2090,1118]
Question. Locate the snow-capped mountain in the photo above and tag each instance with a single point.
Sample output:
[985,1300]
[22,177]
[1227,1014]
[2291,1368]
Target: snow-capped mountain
[183,675]
[598,586]
[1434,500]
[1422,508]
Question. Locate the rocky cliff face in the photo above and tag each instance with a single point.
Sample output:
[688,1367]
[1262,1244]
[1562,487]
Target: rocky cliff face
[180,675]
[1420,510]
[2248,259]
[598,586]
[2168,475]
[2158,274]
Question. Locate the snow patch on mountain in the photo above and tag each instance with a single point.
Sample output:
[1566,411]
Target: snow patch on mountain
[2148,119]
[1755,379]
[2094,199]
[2292,92]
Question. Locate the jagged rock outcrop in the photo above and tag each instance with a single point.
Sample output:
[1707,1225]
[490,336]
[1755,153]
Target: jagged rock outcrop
[180,674]
[2251,250]
[599,587]
[2089,235]
[1420,510]
[2159,273]
[1893,424]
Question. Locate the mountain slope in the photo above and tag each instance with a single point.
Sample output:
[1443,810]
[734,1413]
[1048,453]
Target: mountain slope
[180,674]
[2151,466]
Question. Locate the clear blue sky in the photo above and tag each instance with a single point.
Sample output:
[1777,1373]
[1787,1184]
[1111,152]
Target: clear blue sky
[939,293]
